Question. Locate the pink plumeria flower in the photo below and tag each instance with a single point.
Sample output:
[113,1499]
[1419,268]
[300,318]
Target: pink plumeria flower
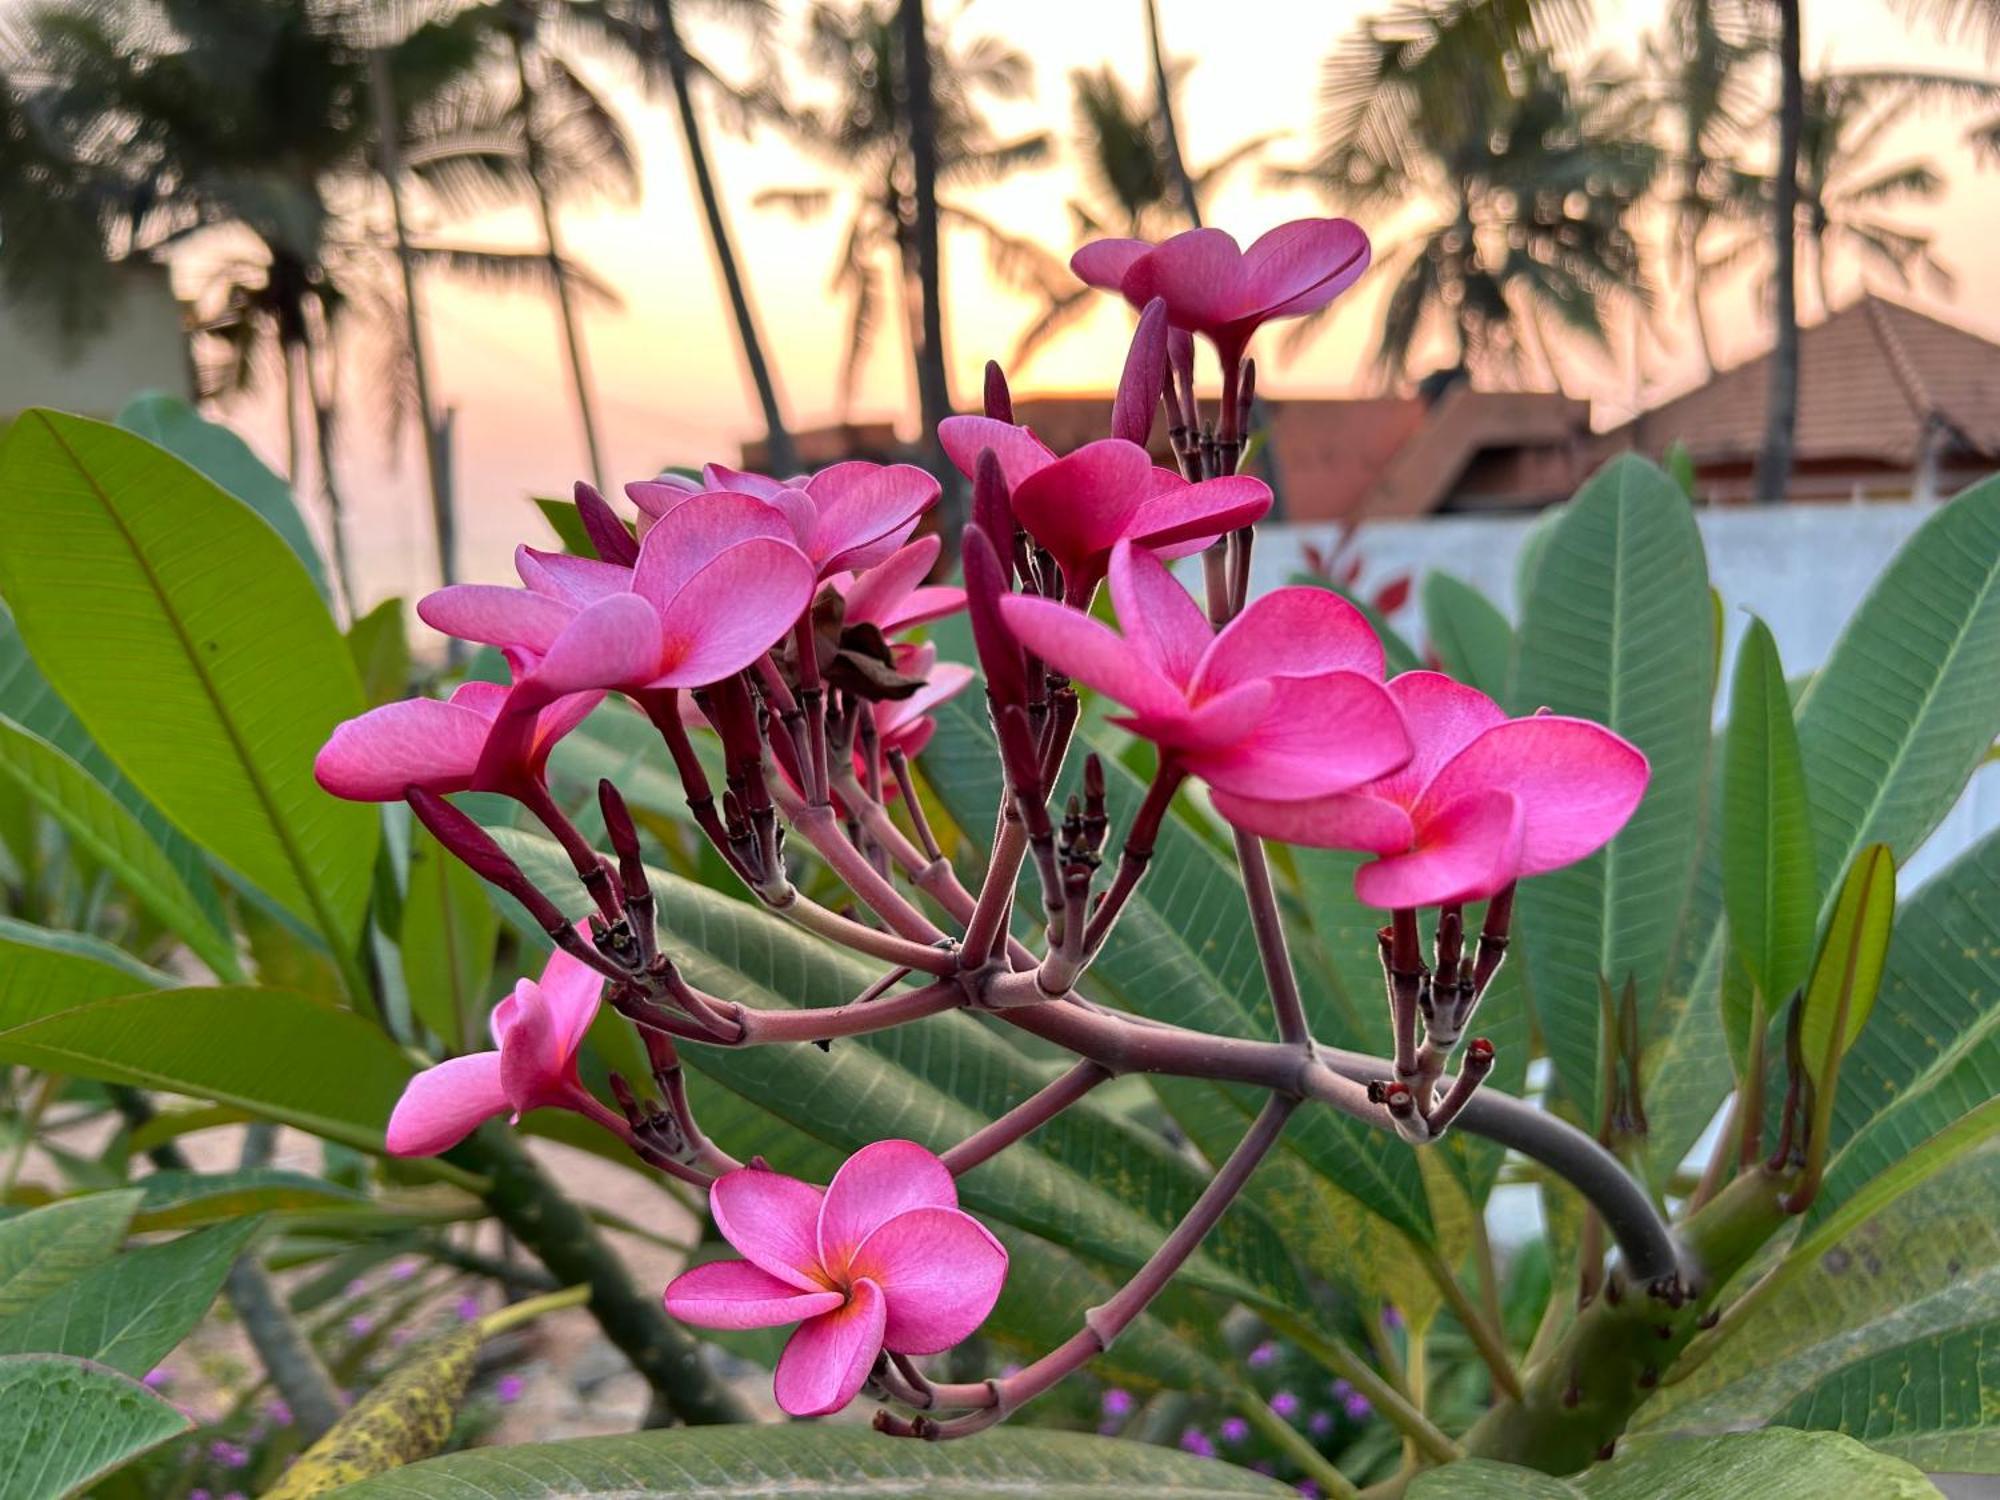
[536,1033]
[442,746]
[716,584]
[906,724]
[850,516]
[1286,701]
[1484,800]
[1082,505]
[892,596]
[1214,287]
[883,1259]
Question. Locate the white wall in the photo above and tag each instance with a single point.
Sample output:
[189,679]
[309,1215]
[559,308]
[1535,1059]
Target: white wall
[141,348]
[1803,568]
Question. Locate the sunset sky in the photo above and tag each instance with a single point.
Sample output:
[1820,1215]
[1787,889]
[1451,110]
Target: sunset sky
[670,384]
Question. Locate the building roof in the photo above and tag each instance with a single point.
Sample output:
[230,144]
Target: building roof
[1873,379]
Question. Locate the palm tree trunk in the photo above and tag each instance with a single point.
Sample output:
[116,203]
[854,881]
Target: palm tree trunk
[1820,283]
[1169,128]
[782,455]
[579,377]
[323,445]
[388,134]
[291,415]
[1691,253]
[933,379]
[1774,463]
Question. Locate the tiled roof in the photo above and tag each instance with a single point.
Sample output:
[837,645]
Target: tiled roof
[1871,378]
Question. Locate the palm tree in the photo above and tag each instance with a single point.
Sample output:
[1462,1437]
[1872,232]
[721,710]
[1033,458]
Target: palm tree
[1844,192]
[1532,175]
[1774,459]
[1132,188]
[258,118]
[858,49]
[1708,56]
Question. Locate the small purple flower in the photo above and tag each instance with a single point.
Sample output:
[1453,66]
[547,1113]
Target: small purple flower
[1234,1429]
[1119,1402]
[1264,1354]
[360,1325]
[404,1269]
[1320,1423]
[1307,1488]
[278,1413]
[401,1336]
[1285,1404]
[159,1378]
[200,1495]
[1197,1442]
[356,1287]
[468,1309]
[228,1455]
[234,1495]
[1358,1408]
[507,1389]
[1341,1390]
[1392,1319]
[1009,1370]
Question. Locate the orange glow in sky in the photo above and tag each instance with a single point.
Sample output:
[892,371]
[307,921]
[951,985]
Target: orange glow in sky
[669,381]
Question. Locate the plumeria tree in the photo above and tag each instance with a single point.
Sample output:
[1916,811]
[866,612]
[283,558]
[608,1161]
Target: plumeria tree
[1238,855]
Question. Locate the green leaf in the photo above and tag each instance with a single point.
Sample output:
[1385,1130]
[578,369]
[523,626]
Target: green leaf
[1848,971]
[1767,842]
[275,1053]
[1183,952]
[566,524]
[43,971]
[224,457]
[1934,1401]
[130,1312]
[449,930]
[189,641]
[1469,635]
[188,1200]
[380,647]
[1618,628]
[107,830]
[405,1418]
[47,1247]
[704,1462]
[66,1423]
[1774,1465]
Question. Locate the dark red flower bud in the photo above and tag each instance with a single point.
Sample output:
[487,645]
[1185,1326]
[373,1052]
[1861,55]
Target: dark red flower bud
[1145,376]
[607,533]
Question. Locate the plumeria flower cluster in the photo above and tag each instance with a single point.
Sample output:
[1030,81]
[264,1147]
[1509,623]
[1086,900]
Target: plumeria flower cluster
[786,617]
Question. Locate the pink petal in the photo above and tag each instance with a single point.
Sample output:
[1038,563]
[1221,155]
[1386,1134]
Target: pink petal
[612,643]
[536,1067]
[1346,820]
[685,540]
[1299,267]
[1443,717]
[1217,727]
[866,511]
[1020,452]
[940,1271]
[732,611]
[483,698]
[1078,506]
[441,1106]
[573,580]
[1199,272]
[1466,852]
[1292,632]
[1162,622]
[1576,781]
[572,990]
[735,1294]
[1103,263]
[875,594]
[921,607]
[1324,734]
[1093,654]
[655,497]
[558,719]
[419,742]
[881,1180]
[826,1362]
[944,683]
[495,616]
[742,481]
[774,1221]
[1183,514]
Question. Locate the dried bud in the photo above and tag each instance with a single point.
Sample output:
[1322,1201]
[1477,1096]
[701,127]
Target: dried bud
[1145,375]
[999,402]
[1180,360]
[607,533]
